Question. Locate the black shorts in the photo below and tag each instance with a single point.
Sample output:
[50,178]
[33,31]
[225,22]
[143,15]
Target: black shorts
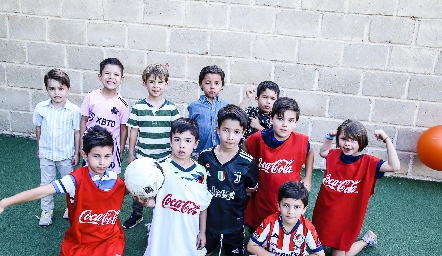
[233,243]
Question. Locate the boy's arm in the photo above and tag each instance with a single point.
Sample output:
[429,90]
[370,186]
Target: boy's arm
[27,196]
[201,239]
[123,139]
[76,157]
[256,249]
[132,141]
[308,169]
[244,146]
[82,129]
[393,163]
[327,144]
[37,134]
[251,90]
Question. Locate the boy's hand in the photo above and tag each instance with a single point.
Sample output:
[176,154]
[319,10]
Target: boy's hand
[333,132]
[380,135]
[201,241]
[146,202]
[307,184]
[251,90]
[254,123]
[2,208]
[75,159]
[130,159]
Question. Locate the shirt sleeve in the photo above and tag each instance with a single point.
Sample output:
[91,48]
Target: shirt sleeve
[261,233]
[36,117]
[133,117]
[252,175]
[312,240]
[125,115]
[174,115]
[65,185]
[76,119]
[85,105]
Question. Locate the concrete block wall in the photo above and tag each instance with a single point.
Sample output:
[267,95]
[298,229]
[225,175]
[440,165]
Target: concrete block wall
[376,61]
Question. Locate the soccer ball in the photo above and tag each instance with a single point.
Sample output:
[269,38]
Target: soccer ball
[144,177]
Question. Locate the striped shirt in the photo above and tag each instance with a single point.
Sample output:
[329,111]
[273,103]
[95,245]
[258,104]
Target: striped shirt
[57,129]
[153,128]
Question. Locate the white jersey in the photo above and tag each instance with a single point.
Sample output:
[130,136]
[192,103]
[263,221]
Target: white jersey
[175,220]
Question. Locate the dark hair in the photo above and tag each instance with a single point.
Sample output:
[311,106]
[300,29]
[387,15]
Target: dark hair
[294,190]
[59,76]
[183,125]
[267,85]
[111,61]
[353,130]
[97,136]
[233,112]
[157,70]
[211,70]
[283,104]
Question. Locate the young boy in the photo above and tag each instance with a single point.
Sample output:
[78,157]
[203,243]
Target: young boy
[280,153]
[259,117]
[287,232]
[57,123]
[150,121]
[181,203]
[231,171]
[107,108]
[94,198]
[205,109]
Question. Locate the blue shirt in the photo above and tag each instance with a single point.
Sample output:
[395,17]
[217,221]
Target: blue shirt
[57,129]
[206,115]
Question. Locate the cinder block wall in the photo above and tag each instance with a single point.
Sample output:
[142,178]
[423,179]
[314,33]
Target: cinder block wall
[373,60]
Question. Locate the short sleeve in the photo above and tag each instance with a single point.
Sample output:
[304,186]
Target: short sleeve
[85,105]
[76,119]
[252,175]
[36,117]
[133,117]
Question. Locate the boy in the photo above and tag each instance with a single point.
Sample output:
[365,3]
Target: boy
[107,108]
[205,109]
[57,123]
[287,232]
[94,196]
[181,203]
[259,117]
[150,120]
[231,172]
[280,153]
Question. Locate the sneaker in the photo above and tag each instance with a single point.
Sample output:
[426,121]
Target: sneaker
[66,214]
[132,221]
[370,238]
[148,229]
[45,218]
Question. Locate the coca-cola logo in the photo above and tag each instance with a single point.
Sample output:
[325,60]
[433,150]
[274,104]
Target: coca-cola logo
[187,207]
[280,166]
[108,218]
[344,186]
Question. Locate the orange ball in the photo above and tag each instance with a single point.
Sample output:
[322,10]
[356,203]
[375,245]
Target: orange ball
[429,148]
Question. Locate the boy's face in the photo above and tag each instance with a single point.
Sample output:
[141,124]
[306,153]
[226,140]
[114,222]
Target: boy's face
[111,77]
[155,86]
[182,145]
[284,125]
[291,210]
[266,100]
[230,133]
[58,92]
[211,85]
[98,159]
[347,145]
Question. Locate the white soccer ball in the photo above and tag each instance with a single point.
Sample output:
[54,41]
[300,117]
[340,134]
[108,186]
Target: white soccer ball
[144,177]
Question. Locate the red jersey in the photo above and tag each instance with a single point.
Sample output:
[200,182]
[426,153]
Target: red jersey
[276,166]
[94,216]
[343,199]
[272,237]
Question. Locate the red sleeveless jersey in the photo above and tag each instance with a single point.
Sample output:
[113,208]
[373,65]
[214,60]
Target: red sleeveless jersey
[94,216]
[343,199]
[276,166]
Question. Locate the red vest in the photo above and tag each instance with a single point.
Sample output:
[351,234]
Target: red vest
[343,198]
[94,216]
[276,166]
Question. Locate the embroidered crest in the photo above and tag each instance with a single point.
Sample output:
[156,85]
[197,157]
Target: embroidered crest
[221,175]
[114,110]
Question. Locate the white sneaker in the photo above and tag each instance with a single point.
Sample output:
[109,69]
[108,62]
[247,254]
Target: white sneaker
[45,218]
[66,214]
[370,238]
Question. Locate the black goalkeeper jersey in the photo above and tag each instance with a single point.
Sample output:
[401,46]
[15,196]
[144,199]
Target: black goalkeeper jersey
[227,183]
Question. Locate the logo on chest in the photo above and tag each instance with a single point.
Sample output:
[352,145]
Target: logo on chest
[280,166]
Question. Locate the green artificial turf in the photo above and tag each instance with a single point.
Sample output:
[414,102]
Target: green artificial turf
[405,214]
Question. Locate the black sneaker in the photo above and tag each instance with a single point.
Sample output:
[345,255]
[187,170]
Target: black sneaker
[132,221]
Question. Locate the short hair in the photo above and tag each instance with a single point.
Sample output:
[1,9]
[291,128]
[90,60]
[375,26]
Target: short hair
[111,61]
[283,104]
[59,76]
[267,85]
[157,70]
[233,112]
[294,190]
[97,136]
[353,130]
[183,124]
[211,70]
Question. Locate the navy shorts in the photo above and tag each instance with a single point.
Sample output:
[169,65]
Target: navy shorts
[232,243]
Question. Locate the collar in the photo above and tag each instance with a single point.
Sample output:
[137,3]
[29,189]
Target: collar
[203,98]
[147,103]
[349,159]
[68,105]
[95,177]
